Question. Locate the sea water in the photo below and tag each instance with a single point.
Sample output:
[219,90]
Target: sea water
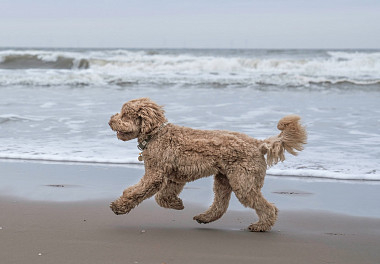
[55,103]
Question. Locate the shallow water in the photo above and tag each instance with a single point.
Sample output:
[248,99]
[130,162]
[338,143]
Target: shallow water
[61,113]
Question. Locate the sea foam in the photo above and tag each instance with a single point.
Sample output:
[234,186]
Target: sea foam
[125,67]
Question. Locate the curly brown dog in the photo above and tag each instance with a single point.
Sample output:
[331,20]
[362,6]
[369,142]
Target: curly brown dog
[174,155]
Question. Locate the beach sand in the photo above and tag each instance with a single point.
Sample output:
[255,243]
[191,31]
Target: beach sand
[38,226]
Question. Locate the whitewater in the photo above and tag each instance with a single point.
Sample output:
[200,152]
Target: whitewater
[55,103]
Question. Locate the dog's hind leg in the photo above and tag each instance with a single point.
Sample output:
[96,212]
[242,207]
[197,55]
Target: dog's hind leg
[250,196]
[167,197]
[222,190]
[267,213]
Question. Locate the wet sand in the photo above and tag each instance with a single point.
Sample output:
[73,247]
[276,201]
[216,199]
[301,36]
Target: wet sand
[77,230]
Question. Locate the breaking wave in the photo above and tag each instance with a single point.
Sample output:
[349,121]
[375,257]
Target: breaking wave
[186,67]
[16,60]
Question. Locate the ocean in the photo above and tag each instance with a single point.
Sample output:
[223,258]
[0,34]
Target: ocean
[55,103]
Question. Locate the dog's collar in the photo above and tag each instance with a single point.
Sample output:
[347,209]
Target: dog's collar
[143,144]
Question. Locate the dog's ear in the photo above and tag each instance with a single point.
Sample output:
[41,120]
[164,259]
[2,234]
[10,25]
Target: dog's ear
[151,114]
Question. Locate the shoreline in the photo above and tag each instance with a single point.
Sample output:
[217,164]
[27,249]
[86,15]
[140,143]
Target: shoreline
[60,182]
[139,164]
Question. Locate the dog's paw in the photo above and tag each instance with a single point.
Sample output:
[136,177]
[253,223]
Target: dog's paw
[202,219]
[259,227]
[171,203]
[119,207]
[177,205]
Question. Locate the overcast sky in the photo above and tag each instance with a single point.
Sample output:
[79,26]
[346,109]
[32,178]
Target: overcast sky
[190,24]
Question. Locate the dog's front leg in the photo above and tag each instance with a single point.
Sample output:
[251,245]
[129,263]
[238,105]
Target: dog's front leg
[134,195]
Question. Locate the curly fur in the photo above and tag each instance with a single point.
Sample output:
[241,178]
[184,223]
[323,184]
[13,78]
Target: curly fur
[176,155]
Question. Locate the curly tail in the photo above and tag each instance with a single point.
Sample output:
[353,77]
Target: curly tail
[292,137]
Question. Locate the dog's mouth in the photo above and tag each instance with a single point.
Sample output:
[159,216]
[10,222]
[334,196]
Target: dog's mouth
[120,133]
[125,136]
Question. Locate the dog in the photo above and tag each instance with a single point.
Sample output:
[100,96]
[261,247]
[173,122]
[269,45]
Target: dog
[174,155]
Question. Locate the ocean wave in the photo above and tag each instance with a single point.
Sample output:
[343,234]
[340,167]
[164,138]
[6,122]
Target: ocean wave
[130,67]
[325,174]
[41,60]
[36,78]
[13,117]
[51,158]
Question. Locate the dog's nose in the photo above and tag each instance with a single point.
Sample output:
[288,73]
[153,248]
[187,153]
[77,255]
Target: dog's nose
[112,119]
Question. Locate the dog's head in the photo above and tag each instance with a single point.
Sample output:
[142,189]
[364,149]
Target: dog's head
[137,118]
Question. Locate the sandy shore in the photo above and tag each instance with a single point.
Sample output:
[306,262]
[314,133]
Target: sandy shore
[86,231]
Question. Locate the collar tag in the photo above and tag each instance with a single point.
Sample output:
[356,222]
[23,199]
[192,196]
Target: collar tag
[140,157]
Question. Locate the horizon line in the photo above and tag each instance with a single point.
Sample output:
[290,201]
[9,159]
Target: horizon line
[178,48]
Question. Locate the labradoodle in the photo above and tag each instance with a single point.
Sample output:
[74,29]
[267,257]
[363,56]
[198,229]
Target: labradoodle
[174,155]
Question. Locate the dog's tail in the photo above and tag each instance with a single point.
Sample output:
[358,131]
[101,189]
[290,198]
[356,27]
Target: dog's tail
[292,137]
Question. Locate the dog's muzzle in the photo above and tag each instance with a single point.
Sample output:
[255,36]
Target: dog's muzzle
[112,121]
